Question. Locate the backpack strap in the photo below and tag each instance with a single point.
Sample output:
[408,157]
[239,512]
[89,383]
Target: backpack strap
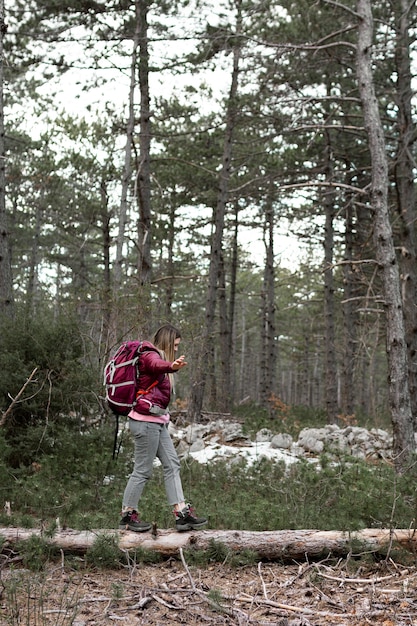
[142,392]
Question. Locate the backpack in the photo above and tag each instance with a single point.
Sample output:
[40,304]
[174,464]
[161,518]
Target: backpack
[121,377]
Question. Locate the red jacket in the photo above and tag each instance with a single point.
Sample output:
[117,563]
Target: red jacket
[153,369]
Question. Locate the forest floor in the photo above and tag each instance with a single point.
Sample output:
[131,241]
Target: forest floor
[310,594]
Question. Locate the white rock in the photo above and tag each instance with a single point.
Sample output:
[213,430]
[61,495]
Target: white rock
[264,435]
[197,446]
[282,440]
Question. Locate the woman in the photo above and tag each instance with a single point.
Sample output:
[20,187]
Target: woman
[148,423]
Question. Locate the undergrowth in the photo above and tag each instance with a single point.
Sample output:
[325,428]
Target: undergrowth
[75,483]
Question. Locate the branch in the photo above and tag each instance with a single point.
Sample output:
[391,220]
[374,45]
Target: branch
[175,277]
[342,6]
[16,399]
[324,184]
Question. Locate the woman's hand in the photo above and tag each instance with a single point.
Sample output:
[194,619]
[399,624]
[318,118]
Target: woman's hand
[179,363]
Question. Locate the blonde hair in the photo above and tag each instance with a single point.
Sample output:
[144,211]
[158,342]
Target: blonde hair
[164,339]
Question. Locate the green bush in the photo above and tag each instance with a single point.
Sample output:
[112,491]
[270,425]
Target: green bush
[63,382]
[104,553]
[35,552]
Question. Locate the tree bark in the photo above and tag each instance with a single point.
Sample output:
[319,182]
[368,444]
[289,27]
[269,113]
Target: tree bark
[223,382]
[143,175]
[6,281]
[127,169]
[274,544]
[349,318]
[232,302]
[405,188]
[195,404]
[399,396]
[32,292]
[268,358]
[106,243]
[331,395]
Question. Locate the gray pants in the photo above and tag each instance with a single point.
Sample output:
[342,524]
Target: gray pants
[151,441]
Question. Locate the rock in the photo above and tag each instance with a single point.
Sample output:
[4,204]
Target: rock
[197,445]
[338,442]
[182,447]
[196,431]
[233,431]
[282,440]
[311,444]
[211,439]
[312,439]
[264,435]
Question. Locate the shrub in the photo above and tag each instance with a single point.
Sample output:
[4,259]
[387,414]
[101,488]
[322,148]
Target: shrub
[35,552]
[63,382]
[104,553]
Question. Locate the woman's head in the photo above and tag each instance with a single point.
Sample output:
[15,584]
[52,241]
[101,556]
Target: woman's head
[167,338]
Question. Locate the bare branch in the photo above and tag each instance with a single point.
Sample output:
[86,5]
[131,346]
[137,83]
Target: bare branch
[16,399]
[342,6]
[173,277]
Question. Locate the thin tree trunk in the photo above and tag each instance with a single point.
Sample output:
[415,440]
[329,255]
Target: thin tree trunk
[223,385]
[232,303]
[169,284]
[6,281]
[200,371]
[406,197]
[268,334]
[332,408]
[33,283]
[399,396]
[348,403]
[306,387]
[243,353]
[127,169]
[106,242]
[143,175]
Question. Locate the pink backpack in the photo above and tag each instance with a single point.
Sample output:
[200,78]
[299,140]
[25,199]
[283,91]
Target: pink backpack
[121,377]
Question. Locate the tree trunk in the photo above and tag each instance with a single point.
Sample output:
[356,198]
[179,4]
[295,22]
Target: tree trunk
[268,359]
[200,371]
[405,188]
[32,292]
[399,396]
[143,175]
[127,169]
[223,382]
[232,303]
[331,396]
[349,322]
[6,282]
[273,544]
[106,242]
[169,283]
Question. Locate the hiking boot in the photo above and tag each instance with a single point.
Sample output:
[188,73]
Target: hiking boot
[187,520]
[130,521]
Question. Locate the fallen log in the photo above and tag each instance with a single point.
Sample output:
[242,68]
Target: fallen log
[273,545]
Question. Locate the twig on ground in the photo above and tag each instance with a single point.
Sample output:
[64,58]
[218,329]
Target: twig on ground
[187,569]
[262,580]
[364,581]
